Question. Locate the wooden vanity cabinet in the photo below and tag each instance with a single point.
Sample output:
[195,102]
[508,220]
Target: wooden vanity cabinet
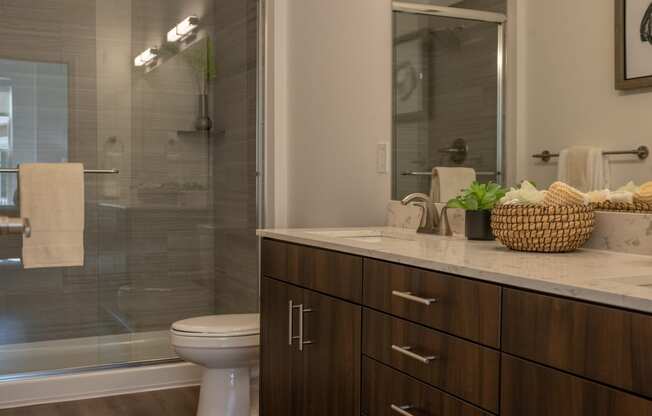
[462,307]
[534,390]
[609,345]
[385,389]
[346,335]
[310,355]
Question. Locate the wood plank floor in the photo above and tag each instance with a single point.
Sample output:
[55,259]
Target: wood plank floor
[174,402]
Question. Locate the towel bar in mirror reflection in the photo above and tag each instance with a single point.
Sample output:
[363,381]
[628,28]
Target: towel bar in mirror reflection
[15,226]
[643,152]
[480,173]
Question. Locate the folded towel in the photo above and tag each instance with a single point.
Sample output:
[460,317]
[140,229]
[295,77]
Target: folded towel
[447,183]
[52,198]
[584,167]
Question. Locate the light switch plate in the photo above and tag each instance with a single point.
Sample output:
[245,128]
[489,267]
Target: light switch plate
[382,158]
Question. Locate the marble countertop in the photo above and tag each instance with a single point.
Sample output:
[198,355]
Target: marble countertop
[610,278]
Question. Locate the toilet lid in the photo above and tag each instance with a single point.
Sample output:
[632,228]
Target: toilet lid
[220,325]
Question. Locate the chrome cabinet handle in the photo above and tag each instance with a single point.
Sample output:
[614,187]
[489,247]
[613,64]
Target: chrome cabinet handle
[402,410]
[409,296]
[406,350]
[291,336]
[291,308]
[302,311]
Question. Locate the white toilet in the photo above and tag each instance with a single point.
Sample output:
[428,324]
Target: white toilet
[227,346]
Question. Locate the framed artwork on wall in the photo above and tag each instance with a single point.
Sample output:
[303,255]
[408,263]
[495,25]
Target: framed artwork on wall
[633,44]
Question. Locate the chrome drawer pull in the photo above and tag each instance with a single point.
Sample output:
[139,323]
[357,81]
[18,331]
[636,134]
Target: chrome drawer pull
[402,410]
[410,296]
[406,351]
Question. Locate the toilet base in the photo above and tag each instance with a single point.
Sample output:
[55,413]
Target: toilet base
[225,392]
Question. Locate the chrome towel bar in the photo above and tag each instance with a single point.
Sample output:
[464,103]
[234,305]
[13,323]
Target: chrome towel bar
[15,226]
[88,171]
[643,152]
[410,173]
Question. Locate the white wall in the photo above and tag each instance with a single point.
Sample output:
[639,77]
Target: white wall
[330,88]
[566,89]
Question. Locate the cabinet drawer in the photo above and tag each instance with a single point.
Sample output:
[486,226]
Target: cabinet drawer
[384,388]
[600,343]
[459,367]
[329,272]
[533,390]
[462,307]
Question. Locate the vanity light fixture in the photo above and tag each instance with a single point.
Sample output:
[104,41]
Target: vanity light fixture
[183,29]
[147,57]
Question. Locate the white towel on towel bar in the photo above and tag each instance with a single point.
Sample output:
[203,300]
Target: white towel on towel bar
[584,167]
[447,183]
[52,198]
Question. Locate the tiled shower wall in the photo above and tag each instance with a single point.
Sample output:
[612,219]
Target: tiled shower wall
[172,236]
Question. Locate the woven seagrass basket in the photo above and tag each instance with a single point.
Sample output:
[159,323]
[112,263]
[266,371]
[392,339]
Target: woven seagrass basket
[636,207]
[545,229]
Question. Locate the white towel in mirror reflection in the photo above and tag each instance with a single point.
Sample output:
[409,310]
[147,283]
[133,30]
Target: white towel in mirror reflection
[447,183]
[584,167]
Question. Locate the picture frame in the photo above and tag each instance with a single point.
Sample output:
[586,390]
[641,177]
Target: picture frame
[633,44]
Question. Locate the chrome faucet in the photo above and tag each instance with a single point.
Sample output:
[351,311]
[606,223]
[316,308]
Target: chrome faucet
[430,219]
[432,222]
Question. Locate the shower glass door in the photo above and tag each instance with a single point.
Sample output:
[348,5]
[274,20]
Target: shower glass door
[114,85]
[447,93]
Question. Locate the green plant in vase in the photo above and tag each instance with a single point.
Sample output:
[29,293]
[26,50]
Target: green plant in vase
[478,200]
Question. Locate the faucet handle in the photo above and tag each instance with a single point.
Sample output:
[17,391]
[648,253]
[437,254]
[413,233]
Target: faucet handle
[444,226]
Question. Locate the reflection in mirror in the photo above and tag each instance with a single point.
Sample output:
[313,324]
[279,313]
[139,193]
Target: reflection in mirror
[446,99]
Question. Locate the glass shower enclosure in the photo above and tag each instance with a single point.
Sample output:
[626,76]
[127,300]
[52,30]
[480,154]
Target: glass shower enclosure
[448,90]
[165,93]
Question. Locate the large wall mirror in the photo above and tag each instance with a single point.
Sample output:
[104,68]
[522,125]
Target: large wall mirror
[523,90]
[448,93]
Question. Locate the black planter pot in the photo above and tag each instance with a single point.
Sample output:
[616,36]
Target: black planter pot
[478,225]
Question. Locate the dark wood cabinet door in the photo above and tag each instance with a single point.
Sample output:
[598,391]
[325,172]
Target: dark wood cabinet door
[281,367]
[533,390]
[331,360]
[329,272]
[386,390]
[456,366]
[609,345]
[462,307]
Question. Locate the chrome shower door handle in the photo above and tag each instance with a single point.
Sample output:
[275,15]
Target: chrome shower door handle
[302,312]
[402,410]
[458,151]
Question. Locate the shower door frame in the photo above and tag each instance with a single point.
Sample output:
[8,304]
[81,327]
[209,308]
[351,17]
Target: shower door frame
[500,20]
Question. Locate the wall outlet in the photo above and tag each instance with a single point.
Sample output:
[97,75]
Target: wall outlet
[382,158]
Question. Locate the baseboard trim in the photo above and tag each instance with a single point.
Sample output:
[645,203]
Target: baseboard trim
[88,385]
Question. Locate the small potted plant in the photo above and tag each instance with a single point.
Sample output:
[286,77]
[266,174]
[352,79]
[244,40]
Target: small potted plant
[478,201]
